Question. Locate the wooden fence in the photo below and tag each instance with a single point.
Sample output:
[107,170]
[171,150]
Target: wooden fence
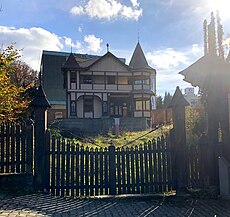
[16,148]
[78,171]
[194,167]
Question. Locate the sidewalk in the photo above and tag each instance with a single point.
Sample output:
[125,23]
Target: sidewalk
[39,204]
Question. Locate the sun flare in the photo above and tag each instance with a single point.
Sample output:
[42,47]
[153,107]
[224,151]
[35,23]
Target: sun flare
[220,5]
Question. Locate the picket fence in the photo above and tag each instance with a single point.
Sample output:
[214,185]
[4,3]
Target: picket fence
[16,148]
[74,170]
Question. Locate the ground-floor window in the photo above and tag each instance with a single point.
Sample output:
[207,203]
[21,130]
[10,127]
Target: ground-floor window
[146,105]
[72,108]
[138,105]
[142,105]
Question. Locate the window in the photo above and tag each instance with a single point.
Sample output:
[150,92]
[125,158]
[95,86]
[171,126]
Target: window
[138,105]
[86,79]
[138,81]
[142,104]
[105,107]
[88,103]
[123,80]
[72,108]
[146,81]
[98,79]
[111,79]
[146,105]
[116,109]
[73,80]
[141,80]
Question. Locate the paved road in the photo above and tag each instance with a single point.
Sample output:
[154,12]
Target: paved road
[39,205]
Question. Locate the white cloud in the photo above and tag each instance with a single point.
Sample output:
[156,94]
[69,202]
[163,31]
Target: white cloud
[90,44]
[32,41]
[80,28]
[77,10]
[135,3]
[167,58]
[68,41]
[108,9]
[168,62]
[93,43]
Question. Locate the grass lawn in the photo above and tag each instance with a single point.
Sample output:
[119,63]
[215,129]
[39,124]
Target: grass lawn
[124,139]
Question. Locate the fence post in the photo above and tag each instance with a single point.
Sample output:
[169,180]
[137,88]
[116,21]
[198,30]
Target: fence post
[40,105]
[29,145]
[112,171]
[178,104]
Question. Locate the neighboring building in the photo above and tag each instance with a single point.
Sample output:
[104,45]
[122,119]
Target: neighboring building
[100,88]
[190,96]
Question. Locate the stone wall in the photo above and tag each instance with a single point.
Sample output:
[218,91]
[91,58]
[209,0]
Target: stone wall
[90,126]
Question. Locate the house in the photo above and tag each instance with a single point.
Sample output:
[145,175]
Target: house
[99,89]
[190,96]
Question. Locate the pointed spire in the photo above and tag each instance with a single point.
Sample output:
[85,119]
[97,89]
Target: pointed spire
[212,35]
[178,99]
[138,59]
[205,37]
[220,36]
[71,63]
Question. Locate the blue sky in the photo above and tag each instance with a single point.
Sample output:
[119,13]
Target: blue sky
[170,31]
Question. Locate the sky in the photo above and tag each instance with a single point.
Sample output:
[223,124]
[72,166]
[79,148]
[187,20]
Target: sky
[170,31]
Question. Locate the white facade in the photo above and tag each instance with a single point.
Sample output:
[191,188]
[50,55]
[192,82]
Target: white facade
[108,87]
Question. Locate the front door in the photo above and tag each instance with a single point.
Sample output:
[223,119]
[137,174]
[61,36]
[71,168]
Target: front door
[120,107]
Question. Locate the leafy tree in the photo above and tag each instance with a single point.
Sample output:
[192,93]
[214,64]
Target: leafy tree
[13,100]
[167,99]
[159,102]
[195,123]
[22,74]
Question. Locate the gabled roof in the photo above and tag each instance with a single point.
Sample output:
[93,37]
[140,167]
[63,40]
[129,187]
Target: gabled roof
[107,55]
[71,63]
[208,71]
[138,59]
[89,62]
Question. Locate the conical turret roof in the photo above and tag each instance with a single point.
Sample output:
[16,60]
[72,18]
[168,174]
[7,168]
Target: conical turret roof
[138,59]
[71,63]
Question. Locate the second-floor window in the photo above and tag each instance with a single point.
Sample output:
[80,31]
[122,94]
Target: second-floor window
[142,80]
[73,80]
[86,79]
[111,79]
[124,80]
[99,79]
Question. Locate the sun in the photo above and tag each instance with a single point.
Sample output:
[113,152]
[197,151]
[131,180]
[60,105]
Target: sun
[220,5]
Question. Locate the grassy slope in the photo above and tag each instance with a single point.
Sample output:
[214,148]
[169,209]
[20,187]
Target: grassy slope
[124,139]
